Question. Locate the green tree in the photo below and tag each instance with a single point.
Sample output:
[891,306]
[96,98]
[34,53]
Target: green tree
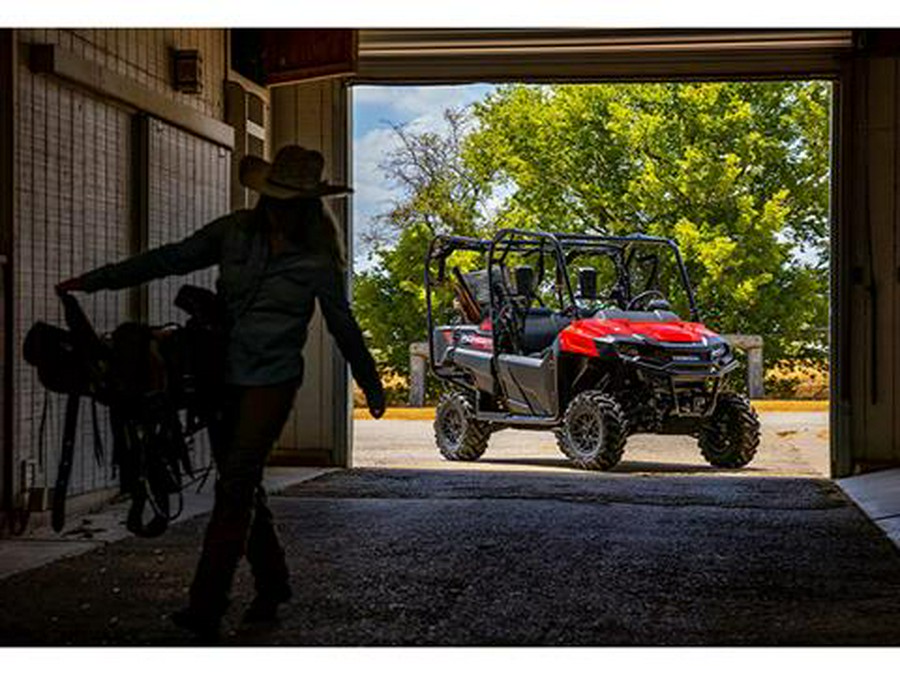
[438,194]
[736,173]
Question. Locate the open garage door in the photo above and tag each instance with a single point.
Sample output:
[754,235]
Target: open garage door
[430,57]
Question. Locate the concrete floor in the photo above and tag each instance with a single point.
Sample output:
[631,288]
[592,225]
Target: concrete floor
[517,549]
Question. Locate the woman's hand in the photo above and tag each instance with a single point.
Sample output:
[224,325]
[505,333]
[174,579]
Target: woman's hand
[69,285]
[376,403]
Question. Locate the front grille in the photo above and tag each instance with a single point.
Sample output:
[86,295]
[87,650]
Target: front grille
[687,356]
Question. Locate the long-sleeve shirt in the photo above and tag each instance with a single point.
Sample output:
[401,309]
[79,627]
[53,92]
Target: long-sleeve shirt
[269,300]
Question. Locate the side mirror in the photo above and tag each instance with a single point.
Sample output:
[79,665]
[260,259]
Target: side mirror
[587,283]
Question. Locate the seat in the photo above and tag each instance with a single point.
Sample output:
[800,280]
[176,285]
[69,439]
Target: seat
[541,326]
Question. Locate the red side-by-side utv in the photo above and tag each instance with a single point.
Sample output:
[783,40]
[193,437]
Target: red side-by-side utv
[577,334]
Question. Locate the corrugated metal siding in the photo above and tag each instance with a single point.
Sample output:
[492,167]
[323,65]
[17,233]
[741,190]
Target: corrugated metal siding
[144,56]
[188,187]
[73,204]
[73,210]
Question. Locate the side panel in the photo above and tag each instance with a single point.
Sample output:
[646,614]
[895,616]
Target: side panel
[530,383]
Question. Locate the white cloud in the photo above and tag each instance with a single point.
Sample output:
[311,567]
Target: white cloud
[372,192]
[409,102]
[420,109]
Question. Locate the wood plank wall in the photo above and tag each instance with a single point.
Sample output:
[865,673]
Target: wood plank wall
[867,273]
[315,115]
[870,211]
[74,203]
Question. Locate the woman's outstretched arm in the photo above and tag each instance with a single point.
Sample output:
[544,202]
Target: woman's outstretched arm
[199,250]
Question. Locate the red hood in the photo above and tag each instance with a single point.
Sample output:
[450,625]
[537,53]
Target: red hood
[662,331]
[579,336]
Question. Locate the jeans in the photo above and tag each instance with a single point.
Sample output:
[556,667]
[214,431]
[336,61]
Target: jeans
[241,523]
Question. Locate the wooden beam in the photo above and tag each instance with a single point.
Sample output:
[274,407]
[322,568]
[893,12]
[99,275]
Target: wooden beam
[51,60]
[842,359]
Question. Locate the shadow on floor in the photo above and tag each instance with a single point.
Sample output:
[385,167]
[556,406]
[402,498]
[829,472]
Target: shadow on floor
[447,557]
[624,467]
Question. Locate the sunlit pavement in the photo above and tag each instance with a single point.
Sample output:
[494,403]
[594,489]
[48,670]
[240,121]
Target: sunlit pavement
[517,549]
[793,444]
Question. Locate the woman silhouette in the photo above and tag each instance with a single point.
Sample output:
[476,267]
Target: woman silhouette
[274,262]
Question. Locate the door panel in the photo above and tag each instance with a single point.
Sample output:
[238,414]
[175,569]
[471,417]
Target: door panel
[529,383]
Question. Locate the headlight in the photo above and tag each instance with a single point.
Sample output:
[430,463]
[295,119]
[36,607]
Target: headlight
[718,351]
[629,350]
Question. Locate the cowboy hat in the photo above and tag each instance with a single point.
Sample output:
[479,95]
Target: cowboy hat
[295,172]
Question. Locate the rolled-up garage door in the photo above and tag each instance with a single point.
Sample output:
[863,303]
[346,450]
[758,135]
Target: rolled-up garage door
[594,55]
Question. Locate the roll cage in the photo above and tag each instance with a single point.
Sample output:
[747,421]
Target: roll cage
[561,249]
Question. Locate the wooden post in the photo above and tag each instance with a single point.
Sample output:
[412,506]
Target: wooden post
[139,300]
[418,360]
[753,345]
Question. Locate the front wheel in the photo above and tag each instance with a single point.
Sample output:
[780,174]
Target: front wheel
[730,437]
[593,433]
[459,436]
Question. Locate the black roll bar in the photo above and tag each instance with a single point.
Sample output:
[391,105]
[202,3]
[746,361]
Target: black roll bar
[440,249]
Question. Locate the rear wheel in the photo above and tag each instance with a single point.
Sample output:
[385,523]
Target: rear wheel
[730,438]
[459,436]
[593,433]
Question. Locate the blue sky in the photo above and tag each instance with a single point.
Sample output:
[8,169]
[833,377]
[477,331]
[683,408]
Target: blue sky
[374,109]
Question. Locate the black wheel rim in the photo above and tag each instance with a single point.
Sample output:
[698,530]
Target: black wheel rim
[721,434]
[586,433]
[452,427]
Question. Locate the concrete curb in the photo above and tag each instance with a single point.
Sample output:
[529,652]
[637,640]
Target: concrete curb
[877,494]
[762,405]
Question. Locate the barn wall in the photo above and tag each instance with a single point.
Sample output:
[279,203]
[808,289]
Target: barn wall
[75,207]
[315,115]
[867,316]
[7,215]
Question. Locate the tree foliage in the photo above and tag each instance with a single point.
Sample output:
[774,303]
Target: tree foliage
[736,173]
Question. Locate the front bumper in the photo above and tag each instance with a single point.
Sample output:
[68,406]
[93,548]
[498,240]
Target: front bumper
[690,375]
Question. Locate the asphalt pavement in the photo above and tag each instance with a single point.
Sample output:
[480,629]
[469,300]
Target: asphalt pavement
[516,549]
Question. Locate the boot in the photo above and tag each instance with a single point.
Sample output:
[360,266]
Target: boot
[264,608]
[203,626]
